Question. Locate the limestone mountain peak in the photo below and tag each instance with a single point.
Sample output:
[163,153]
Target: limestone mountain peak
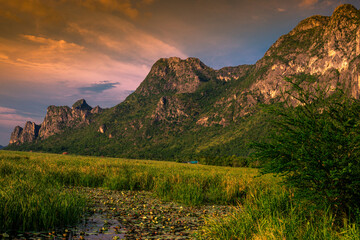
[174,75]
[345,10]
[81,105]
[310,23]
[27,134]
[344,17]
[57,119]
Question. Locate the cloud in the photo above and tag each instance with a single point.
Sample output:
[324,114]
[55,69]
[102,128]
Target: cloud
[122,6]
[123,40]
[4,110]
[308,3]
[86,50]
[41,59]
[3,57]
[281,10]
[10,118]
[147,2]
[39,53]
[54,45]
[98,87]
[10,16]
[20,11]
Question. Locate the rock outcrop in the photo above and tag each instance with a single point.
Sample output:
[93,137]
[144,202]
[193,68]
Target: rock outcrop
[81,105]
[171,108]
[57,119]
[319,46]
[102,129]
[325,47]
[27,134]
[97,110]
[174,75]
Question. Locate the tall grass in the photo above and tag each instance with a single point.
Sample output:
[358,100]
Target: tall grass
[269,212]
[27,205]
[32,184]
[36,193]
[27,202]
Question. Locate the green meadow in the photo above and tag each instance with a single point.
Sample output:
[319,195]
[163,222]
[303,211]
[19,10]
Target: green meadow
[37,193]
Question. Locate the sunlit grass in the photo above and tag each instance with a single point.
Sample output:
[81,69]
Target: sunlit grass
[270,213]
[36,193]
[32,195]
[29,202]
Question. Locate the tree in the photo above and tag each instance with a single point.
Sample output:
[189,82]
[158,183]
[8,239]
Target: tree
[315,145]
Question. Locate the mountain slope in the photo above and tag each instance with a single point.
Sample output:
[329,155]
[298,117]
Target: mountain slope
[185,109]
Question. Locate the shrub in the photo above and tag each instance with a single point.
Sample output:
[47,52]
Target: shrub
[316,145]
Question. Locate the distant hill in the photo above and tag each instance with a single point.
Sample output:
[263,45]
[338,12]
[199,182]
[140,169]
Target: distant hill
[187,110]
[1,147]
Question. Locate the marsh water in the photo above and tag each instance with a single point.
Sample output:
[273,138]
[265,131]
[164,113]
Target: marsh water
[132,215]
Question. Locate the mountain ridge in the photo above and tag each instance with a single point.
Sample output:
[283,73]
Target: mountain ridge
[184,108]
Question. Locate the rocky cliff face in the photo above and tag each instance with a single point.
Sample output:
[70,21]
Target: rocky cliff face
[171,108]
[27,134]
[174,75]
[96,110]
[57,119]
[325,47]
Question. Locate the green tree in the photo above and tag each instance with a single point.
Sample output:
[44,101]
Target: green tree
[315,145]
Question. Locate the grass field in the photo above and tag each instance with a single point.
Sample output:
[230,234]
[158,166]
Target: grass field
[34,195]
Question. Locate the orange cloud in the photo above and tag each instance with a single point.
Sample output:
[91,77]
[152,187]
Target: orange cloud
[45,60]
[148,2]
[54,45]
[122,6]
[9,15]
[127,41]
[80,50]
[308,3]
[3,57]
[15,9]
[46,53]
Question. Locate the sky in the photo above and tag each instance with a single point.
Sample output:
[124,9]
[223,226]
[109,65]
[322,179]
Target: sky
[54,52]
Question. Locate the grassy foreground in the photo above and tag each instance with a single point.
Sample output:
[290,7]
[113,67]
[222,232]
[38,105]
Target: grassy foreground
[33,197]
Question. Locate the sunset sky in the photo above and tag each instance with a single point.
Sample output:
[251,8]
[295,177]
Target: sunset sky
[54,52]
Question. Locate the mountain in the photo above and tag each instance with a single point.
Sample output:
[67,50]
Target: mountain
[1,147]
[57,119]
[184,109]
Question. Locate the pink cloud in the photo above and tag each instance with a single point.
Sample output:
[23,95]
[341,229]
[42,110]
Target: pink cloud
[10,118]
[4,110]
